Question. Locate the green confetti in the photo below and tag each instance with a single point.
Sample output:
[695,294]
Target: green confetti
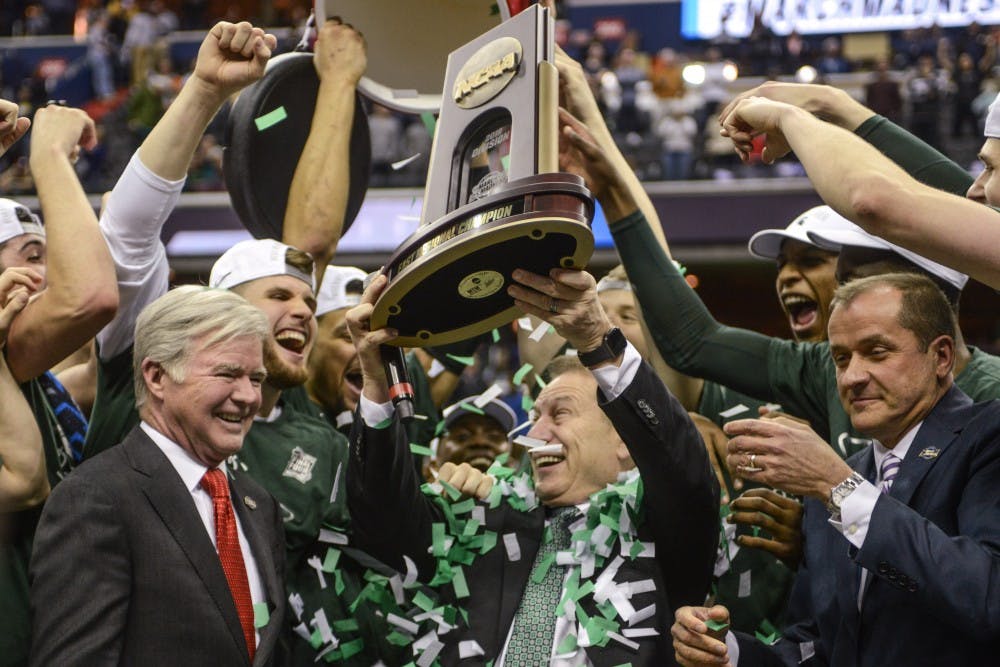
[330,562]
[543,568]
[429,122]
[351,648]
[505,161]
[397,638]
[260,615]
[270,119]
[458,582]
[345,625]
[471,408]
[489,541]
[420,450]
[496,336]
[521,373]
[338,582]
[767,633]
[450,490]
[465,361]
[567,645]
[464,506]
[716,626]
[384,424]
[527,403]
[423,601]
[756,531]
[438,539]
[541,383]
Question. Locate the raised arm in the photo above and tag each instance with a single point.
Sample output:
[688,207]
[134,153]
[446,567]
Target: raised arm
[23,482]
[81,296]
[865,186]
[390,516]
[231,57]
[317,198]
[833,105]
[685,333]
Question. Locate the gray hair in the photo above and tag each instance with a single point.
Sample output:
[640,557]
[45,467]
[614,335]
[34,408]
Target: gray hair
[165,329]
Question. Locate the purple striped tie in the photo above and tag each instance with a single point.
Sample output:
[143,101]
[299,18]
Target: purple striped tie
[889,470]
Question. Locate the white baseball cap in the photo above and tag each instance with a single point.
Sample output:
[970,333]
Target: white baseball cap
[766,243]
[835,239]
[17,219]
[992,128]
[340,288]
[250,260]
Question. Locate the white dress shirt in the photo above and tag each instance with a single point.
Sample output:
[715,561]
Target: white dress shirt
[613,381]
[191,472]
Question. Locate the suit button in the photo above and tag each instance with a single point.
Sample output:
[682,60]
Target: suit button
[883,567]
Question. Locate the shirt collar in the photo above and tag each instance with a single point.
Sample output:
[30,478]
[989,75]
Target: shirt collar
[899,450]
[190,470]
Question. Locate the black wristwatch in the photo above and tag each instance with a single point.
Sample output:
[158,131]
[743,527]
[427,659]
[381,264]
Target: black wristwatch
[613,345]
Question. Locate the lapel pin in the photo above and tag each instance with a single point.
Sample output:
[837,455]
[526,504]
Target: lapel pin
[929,453]
[250,502]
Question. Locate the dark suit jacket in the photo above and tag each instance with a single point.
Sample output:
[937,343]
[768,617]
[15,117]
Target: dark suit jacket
[124,572]
[391,517]
[932,551]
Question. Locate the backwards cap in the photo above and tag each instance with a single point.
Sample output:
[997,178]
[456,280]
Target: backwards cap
[250,260]
[16,219]
[341,288]
[855,236]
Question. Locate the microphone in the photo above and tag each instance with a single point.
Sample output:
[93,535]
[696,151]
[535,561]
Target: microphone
[394,364]
[400,388]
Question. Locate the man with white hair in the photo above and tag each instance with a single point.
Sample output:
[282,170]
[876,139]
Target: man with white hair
[153,553]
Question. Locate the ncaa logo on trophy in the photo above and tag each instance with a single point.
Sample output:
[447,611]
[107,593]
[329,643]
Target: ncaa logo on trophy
[494,199]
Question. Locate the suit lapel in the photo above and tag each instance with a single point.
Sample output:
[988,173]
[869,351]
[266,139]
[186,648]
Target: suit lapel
[245,503]
[938,431]
[175,506]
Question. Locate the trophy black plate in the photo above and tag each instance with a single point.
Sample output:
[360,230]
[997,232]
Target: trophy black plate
[448,281]
[258,165]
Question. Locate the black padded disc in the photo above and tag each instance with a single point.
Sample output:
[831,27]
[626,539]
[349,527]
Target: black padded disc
[266,132]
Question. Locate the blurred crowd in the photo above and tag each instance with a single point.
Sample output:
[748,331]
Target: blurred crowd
[661,106]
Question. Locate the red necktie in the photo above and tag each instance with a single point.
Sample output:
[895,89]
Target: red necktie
[227,543]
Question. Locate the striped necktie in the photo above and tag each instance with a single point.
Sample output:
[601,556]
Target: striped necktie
[888,471]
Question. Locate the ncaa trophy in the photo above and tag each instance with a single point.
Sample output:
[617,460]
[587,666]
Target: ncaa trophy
[494,199]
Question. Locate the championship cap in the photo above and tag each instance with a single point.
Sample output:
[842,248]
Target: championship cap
[250,260]
[495,408]
[835,239]
[766,243]
[341,288]
[17,219]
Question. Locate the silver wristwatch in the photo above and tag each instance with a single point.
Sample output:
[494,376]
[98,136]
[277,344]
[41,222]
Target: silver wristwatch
[841,491]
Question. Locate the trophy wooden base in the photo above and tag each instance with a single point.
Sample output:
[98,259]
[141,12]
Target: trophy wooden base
[448,281]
